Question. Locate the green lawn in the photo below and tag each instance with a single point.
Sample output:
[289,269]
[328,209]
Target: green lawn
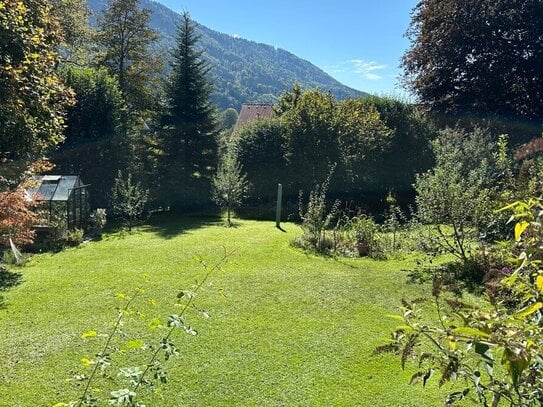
[292,329]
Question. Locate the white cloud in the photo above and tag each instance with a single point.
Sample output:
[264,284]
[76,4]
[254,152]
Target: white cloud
[367,69]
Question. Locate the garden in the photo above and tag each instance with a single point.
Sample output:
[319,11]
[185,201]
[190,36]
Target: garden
[284,326]
[139,264]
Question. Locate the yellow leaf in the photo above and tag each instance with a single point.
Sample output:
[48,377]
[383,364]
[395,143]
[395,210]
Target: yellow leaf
[539,283]
[452,343]
[87,362]
[520,228]
[529,310]
[89,334]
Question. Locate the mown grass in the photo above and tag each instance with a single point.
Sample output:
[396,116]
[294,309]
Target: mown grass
[291,329]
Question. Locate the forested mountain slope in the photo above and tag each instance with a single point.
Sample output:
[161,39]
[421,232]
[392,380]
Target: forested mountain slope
[243,71]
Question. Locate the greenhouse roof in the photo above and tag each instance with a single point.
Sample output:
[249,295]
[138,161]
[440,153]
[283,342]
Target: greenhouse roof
[54,187]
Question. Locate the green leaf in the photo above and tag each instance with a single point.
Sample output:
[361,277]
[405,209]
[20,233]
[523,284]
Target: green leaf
[510,206]
[155,323]
[514,364]
[405,328]
[427,376]
[134,344]
[416,378]
[466,330]
[529,310]
[89,334]
[483,350]
[396,317]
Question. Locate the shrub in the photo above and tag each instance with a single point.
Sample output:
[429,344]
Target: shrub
[367,240]
[97,221]
[316,219]
[73,237]
[128,200]
[455,197]
[471,340]
[16,218]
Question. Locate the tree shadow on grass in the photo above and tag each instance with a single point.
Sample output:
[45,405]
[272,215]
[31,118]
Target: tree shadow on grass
[169,226]
[8,279]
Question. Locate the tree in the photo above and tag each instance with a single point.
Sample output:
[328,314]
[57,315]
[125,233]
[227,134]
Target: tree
[229,184]
[408,151]
[124,39]
[17,218]
[229,118]
[490,347]
[288,100]
[95,147]
[457,192]
[32,96]
[128,200]
[321,132]
[480,59]
[260,150]
[73,17]
[187,143]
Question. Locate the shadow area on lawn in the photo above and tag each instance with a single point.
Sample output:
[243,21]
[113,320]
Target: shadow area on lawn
[8,279]
[169,226]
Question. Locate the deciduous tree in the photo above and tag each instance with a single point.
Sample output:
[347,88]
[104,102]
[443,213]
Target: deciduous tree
[481,59]
[124,38]
[32,97]
[230,184]
[16,218]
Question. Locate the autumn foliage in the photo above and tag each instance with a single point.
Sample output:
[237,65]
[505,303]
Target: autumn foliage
[16,218]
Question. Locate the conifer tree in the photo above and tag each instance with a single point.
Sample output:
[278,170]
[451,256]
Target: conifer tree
[187,141]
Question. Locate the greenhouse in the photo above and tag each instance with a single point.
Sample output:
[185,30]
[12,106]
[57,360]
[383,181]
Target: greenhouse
[63,200]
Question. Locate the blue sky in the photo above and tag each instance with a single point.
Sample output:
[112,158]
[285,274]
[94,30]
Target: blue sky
[359,43]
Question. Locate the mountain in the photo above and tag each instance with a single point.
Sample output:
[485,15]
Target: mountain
[243,71]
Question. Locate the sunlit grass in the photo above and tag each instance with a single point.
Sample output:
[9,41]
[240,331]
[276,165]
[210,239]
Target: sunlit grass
[290,329]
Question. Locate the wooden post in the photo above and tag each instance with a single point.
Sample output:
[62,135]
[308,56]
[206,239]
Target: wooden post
[278,211]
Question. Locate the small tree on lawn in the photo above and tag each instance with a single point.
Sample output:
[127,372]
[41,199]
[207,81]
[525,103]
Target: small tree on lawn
[229,185]
[16,218]
[128,200]
[454,197]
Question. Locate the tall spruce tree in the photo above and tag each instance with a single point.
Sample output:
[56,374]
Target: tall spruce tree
[188,139]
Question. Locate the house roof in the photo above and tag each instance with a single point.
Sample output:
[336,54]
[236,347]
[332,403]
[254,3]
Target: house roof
[53,187]
[251,112]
